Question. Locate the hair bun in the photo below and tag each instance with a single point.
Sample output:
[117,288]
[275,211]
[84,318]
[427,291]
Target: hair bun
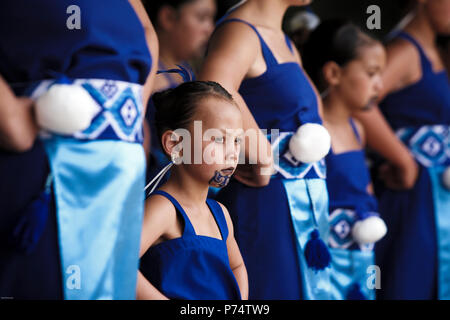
[162,99]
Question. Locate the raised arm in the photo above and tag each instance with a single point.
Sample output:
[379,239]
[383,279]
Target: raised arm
[232,51]
[18,128]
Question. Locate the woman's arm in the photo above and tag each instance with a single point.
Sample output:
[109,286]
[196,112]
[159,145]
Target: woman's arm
[232,51]
[152,43]
[403,170]
[18,128]
[234,255]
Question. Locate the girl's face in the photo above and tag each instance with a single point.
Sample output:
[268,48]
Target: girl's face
[438,12]
[219,141]
[360,83]
[192,28]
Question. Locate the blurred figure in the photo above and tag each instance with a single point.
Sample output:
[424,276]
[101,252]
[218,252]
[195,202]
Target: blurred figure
[71,203]
[346,65]
[415,255]
[183,28]
[301,25]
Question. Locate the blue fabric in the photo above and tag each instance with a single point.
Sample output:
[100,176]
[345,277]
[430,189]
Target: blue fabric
[413,248]
[35,273]
[36,43]
[349,269]
[119,108]
[425,102]
[441,198]
[308,200]
[347,181]
[99,200]
[409,249]
[192,267]
[287,166]
[98,185]
[282,98]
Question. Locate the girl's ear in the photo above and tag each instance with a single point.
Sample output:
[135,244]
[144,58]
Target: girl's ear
[166,17]
[169,141]
[331,73]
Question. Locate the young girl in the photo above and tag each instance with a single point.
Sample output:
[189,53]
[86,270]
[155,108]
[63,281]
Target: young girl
[183,28]
[89,79]
[415,256]
[346,65]
[278,218]
[188,250]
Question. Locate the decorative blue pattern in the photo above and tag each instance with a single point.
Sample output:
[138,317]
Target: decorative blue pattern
[98,186]
[289,167]
[341,224]
[430,145]
[120,108]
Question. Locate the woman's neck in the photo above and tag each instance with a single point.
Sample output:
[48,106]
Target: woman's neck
[421,29]
[167,56]
[265,13]
[184,185]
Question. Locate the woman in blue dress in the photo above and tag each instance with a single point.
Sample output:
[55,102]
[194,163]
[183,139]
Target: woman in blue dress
[346,66]
[66,230]
[278,219]
[183,28]
[414,257]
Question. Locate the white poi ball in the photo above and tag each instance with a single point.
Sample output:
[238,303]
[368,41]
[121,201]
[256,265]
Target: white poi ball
[310,143]
[446,178]
[369,230]
[65,109]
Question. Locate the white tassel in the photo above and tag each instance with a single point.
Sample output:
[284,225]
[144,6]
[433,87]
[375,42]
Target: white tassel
[158,178]
[65,109]
[369,230]
[446,178]
[310,143]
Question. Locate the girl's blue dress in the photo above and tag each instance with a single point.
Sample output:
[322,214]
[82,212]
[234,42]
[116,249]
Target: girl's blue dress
[192,267]
[347,182]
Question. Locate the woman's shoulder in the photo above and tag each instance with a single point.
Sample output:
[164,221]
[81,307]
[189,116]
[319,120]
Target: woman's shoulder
[235,33]
[403,64]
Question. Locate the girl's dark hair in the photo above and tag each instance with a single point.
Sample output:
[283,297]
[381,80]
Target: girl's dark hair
[153,6]
[333,40]
[176,107]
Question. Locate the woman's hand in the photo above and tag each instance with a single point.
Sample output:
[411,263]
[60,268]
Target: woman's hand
[254,176]
[399,177]
[18,128]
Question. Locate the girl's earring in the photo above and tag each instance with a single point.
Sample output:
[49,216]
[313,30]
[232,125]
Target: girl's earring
[176,159]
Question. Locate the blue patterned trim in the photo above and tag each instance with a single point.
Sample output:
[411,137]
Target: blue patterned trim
[341,224]
[430,145]
[120,109]
[287,166]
